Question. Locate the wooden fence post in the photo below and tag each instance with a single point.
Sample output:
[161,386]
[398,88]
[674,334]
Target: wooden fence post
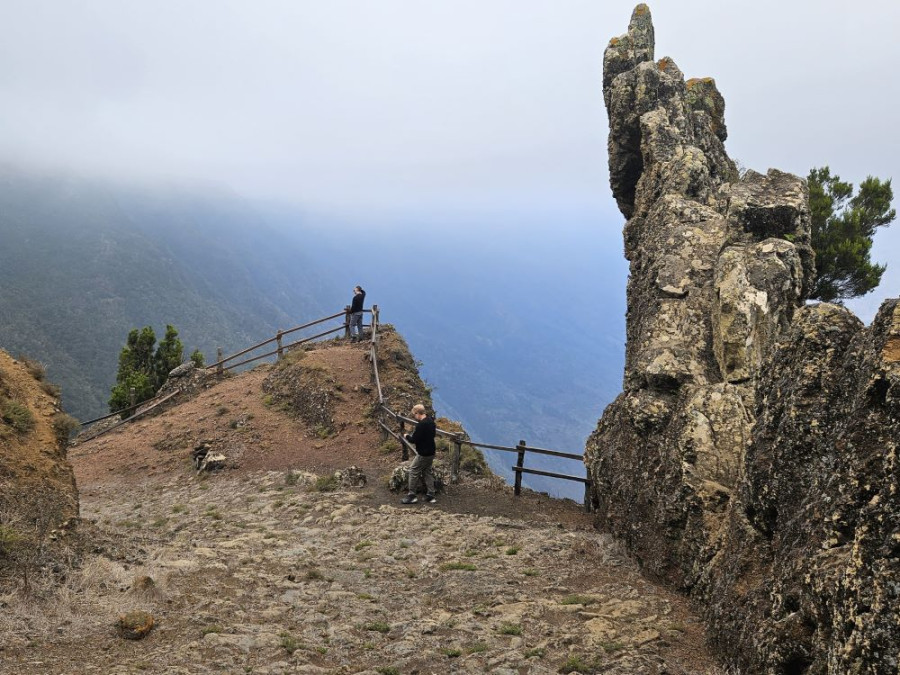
[454,460]
[520,462]
[220,371]
[402,444]
[132,395]
[347,322]
[280,354]
[374,323]
[587,498]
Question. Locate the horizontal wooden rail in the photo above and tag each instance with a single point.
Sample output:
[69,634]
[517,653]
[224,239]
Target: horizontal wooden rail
[117,412]
[293,344]
[275,339]
[553,453]
[137,414]
[538,472]
[505,448]
[440,432]
[528,448]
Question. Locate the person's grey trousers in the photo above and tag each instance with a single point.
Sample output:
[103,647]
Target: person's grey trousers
[420,470]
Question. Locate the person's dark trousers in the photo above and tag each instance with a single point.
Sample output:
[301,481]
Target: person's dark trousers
[420,470]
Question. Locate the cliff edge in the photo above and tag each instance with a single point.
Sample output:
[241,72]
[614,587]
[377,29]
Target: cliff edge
[751,458]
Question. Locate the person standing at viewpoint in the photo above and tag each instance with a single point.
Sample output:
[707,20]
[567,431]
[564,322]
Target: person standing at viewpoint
[356,313]
[420,470]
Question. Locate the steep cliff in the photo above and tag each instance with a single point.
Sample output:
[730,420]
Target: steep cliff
[37,485]
[751,457]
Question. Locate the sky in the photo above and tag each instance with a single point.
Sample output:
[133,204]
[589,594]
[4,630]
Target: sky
[408,106]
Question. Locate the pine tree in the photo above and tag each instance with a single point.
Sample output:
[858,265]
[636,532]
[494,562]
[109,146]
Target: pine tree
[843,225]
[142,369]
[169,355]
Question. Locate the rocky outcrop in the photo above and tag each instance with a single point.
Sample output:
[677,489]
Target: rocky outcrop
[750,459]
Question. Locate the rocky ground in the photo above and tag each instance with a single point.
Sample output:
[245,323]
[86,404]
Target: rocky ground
[265,567]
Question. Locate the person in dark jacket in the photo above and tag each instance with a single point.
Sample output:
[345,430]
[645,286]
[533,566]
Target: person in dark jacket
[356,313]
[420,470]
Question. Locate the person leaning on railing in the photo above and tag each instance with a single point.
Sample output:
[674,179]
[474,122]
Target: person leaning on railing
[356,313]
[420,470]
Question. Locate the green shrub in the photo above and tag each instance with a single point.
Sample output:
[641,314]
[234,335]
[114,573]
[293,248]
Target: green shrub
[577,600]
[327,484]
[10,539]
[290,644]
[64,425]
[472,460]
[18,416]
[578,664]
[52,390]
[35,368]
[389,447]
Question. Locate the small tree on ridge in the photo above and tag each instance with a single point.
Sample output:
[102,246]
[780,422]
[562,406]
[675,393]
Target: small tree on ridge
[843,225]
[143,369]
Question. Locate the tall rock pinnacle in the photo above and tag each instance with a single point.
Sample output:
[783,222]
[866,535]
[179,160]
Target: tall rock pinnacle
[687,463]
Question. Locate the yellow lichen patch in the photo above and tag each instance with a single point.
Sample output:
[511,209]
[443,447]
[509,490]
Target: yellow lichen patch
[613,42]
[641,9]
[700,80]
[891,351]
[664,63]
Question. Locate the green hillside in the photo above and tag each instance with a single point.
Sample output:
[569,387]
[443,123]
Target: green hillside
[82,262]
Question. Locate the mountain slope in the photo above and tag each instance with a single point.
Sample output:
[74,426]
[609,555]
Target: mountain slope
[82,263]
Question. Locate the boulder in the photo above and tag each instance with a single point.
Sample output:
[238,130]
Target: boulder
[134,625]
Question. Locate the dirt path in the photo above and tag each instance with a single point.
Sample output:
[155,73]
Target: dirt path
[255,570]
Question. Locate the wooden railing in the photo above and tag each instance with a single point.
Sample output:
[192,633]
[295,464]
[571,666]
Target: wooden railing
[278,352]
[457,439]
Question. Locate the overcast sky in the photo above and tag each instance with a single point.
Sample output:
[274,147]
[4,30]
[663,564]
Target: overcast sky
[403,105]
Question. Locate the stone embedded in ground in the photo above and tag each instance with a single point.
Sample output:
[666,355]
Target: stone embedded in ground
[134,625]
[351,477]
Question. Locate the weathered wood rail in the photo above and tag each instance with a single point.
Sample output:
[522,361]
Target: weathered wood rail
[278,352]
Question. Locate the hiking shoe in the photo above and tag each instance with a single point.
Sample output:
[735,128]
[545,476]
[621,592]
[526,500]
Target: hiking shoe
[430,499]
[409,499]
